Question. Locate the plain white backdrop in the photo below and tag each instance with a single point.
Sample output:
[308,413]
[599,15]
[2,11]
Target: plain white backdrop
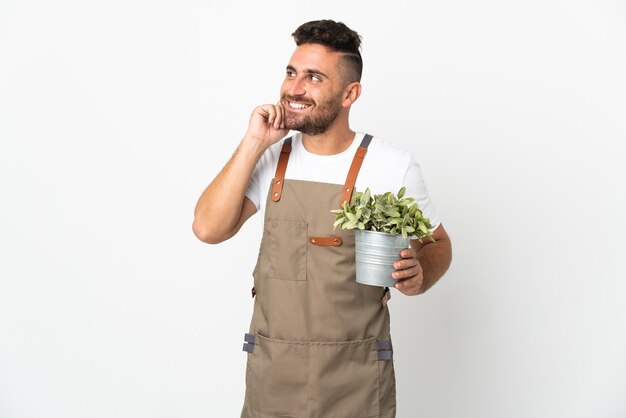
[114,116]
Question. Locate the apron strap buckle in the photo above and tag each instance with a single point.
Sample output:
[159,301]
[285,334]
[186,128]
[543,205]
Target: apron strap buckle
[385,350]
[250,340]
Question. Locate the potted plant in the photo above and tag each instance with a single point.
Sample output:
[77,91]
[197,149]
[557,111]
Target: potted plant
[384,225]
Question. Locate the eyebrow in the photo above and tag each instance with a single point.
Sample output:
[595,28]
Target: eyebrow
[308,71]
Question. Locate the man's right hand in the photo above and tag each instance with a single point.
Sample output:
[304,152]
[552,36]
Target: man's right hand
[267,125]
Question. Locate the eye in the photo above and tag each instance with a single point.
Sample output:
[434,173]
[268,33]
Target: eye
[314,78]
[290,74]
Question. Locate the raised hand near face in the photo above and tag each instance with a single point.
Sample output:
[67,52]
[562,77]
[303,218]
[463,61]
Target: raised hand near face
[267,125]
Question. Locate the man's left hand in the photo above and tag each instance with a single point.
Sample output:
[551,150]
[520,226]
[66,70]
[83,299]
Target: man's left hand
[409,273]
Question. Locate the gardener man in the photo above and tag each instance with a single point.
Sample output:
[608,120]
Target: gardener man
[319,342]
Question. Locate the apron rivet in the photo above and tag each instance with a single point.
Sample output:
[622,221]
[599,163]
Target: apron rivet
[276,194]
[278,182]
[347,190]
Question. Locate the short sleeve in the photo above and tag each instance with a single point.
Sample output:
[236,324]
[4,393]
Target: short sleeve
[416,188]
[253,191]
[261,177]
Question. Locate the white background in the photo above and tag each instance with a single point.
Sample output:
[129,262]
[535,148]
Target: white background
[115,115]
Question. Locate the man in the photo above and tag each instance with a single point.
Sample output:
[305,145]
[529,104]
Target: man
[319,342]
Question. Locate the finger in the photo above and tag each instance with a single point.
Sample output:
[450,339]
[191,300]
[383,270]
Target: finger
[405,264]
[410,287]
[408,253]
[260,111]
[279,116]
[271,114]
[281,112]
[406,273]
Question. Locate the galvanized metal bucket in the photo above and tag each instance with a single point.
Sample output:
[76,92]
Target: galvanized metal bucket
[375,254]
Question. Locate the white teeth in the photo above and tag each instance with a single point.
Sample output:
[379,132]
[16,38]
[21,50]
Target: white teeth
[297,105]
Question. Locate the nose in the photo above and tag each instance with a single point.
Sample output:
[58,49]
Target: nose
[296,87]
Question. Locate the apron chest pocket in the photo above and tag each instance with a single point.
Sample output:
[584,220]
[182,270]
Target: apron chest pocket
[288,250]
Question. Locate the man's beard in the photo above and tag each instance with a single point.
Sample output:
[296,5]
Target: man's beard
[315,123]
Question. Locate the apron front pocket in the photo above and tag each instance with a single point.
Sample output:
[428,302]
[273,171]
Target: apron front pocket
[288,250]
[277,378]
[344,379]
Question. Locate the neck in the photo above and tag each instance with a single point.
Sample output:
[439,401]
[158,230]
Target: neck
[335,140]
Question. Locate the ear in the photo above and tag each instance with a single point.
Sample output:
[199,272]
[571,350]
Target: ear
[351,94]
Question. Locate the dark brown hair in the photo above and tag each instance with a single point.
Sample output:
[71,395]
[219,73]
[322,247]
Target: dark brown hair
[337,37]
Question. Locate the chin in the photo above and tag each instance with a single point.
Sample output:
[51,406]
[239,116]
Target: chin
[295,125]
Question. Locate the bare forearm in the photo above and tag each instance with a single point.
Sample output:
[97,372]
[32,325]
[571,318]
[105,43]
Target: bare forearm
[219,208]
[223,208]
[435,259]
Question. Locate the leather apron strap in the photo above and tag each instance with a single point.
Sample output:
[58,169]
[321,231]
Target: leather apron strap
[348,188]
[281,168]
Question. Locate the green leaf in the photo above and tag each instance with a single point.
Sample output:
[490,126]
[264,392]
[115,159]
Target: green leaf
[393,213]
[365,198]
[350,225]
[383,212]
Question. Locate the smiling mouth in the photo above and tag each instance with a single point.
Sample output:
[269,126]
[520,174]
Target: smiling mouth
[298,106]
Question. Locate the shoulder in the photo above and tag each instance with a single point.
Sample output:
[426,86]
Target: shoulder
[383,151]
[385,167]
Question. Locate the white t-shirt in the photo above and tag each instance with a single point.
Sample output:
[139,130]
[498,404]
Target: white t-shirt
[386,168]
